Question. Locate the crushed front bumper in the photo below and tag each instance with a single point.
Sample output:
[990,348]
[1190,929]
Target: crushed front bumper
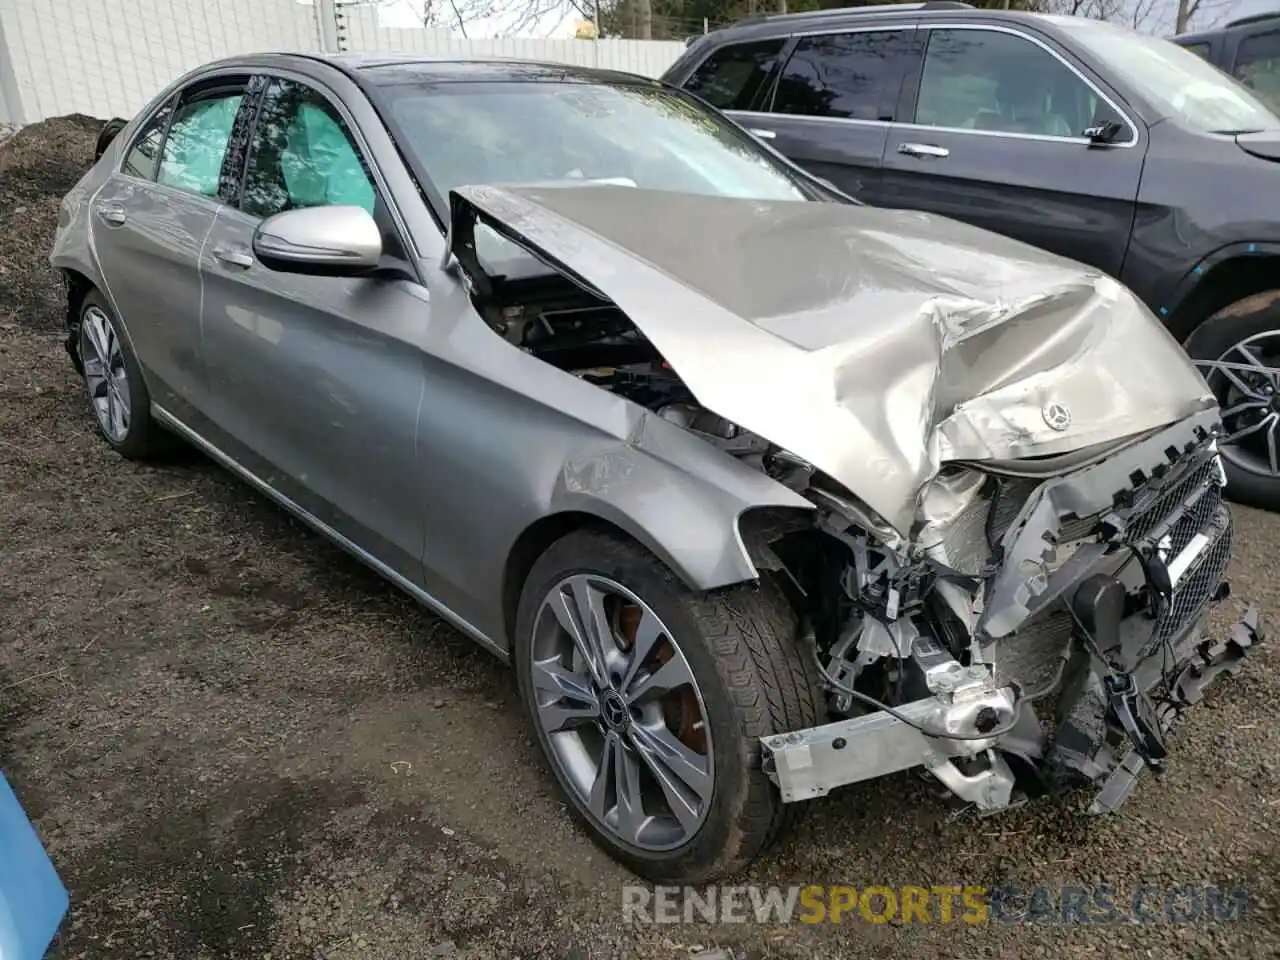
[1098,743]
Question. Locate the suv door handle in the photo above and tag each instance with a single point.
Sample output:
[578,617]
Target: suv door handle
[233,256]
[762,133]
[923,150]
[111,212]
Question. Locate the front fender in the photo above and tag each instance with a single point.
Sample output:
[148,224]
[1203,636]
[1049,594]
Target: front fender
[686,515]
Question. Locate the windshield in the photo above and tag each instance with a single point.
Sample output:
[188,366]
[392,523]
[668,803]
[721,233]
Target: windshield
[498,132]
[1174,80]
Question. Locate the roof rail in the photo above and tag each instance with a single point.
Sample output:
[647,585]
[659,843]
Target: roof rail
[866,8]
[1254,18]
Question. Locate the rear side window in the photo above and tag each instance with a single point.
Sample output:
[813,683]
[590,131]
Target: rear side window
[197,143]
[731,77]
[1199,49]
[1258,66]
[851,75]
[140,161]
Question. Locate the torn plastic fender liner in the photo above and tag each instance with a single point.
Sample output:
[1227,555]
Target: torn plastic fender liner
[875,344]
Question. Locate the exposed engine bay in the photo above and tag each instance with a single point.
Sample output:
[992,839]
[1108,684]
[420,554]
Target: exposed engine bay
[1042,626]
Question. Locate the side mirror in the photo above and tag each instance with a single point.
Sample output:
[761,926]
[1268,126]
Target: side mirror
[337,241]
[1105,132]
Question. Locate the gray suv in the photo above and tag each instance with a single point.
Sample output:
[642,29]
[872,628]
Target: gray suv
[1128,153]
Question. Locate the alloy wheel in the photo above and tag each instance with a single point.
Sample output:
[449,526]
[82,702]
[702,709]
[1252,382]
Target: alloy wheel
[622,712]
[105,374]
[1246,381]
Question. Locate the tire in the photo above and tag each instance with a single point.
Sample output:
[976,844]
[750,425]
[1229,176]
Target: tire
[142,438]
[1250,479]
[110,130]
[742,648]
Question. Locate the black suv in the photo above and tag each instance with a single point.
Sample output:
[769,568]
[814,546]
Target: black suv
[1123,151]
[1248,49]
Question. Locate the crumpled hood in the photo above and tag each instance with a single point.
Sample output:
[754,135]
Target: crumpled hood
[876,344]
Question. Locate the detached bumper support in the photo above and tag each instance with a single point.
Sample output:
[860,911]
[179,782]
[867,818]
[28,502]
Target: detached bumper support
[1208,661]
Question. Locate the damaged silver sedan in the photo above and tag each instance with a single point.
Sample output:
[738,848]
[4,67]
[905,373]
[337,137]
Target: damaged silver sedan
[761,491]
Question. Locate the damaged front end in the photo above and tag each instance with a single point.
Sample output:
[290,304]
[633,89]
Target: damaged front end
[1018,527]
[1050,633]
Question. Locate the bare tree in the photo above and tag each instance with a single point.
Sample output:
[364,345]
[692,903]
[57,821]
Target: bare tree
[1189,10]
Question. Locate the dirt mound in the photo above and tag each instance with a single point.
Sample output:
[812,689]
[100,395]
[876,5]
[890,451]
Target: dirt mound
[38,165]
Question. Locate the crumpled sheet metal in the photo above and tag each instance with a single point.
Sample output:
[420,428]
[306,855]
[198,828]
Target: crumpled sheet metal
[876,344]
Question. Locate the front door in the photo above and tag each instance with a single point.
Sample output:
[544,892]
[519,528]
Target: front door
[316,380]
[993,133]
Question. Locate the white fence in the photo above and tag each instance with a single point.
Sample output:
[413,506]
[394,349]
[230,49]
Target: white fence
[107,58]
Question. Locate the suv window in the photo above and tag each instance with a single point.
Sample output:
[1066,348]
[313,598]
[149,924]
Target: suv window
[140,161]
[302,155]
[1258,66]
[1199,49]
[731,77]
[991,80]
[846,75]
[197,143]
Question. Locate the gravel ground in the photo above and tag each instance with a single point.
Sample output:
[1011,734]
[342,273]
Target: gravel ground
[236,742]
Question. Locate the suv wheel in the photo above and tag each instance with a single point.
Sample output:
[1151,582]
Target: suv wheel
[649,701]
[1238,351]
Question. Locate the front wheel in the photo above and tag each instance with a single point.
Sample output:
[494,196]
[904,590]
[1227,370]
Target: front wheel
[1238,351]
[649,701]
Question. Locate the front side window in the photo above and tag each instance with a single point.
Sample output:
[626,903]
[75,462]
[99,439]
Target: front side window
[1003,83]
[504,132]
[850,75]
[302,155]
[141,159]
[197,143]
[1258,66]
[731,77]
[1173,80]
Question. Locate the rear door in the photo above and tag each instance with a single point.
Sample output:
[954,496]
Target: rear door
[992,132]
[316,380]
[831,102]
[150,220]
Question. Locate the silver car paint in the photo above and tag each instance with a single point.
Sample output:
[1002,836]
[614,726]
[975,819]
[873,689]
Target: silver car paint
[875,344]
[449,444]
[388,415]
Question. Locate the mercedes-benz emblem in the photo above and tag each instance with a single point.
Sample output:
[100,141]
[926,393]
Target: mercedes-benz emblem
[1057,416]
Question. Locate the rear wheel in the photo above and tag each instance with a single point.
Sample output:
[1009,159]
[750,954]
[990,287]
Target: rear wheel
[117,394]
[1238,351]
[649,700]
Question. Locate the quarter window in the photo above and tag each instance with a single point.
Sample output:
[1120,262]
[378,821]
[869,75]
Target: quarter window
[988,80]
[140,161]
[302,155]
[1258,66]
[731,77]
[851,75]
[1201,50]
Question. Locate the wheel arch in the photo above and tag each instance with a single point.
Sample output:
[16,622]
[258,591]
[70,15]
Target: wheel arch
[1224,277]
[753,529]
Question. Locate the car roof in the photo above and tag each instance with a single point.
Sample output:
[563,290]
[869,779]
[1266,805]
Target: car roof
[1209,34]
[389,69]
[780,24]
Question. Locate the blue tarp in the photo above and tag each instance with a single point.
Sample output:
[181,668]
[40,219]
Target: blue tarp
[33,900]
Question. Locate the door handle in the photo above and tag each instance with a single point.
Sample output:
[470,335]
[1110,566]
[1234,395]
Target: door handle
[233,257]
[923,150]
[762,133]
[112,213]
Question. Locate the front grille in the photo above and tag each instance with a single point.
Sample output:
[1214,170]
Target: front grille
[1200,582]
[1148,517]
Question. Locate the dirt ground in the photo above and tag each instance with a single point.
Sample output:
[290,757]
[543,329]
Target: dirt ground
[236,742]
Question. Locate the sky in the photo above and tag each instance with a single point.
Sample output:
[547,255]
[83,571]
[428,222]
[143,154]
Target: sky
[408,13]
